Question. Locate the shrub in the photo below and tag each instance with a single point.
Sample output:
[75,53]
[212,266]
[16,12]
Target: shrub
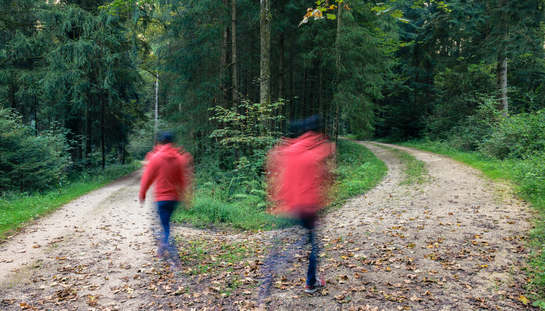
[473,130]
[29,162]
[517,137]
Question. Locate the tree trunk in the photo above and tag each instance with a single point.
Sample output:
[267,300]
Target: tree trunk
[501,76]
[120,154]
[156,102]
[12,100]
[265,75]
[234,50]
[102,132]
[88,129]
[35,115]
[337,68]
[281,67]
[223,61]
[281,58]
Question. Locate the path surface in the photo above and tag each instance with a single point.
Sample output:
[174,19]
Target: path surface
[455,242]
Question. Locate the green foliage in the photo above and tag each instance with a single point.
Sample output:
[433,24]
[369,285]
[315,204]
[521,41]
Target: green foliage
[73,67]
[450,59]
[248,126]
[464,92]
[248,132]
[142,138]
[29,161]
[521,136]
[473,130]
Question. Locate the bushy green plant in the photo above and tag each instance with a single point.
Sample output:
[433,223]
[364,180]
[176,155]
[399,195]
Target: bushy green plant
[249,126]
[474,129]
[248,131]
[29,161]
[530,174]
[520,136]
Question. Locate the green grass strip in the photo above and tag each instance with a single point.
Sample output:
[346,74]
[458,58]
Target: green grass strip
[17,210]
[358,171]
[415,170]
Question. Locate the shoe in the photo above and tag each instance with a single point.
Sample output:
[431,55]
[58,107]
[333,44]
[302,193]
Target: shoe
[320,283]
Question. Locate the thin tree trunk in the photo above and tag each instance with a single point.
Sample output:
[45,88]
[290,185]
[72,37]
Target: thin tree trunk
[501,76]
[35,115]
[12,101]
[223,61]
[234,50]
[156,102]
[265,74]
[338,67]
[281,67]
[88,129]
[320,98]
[102,133]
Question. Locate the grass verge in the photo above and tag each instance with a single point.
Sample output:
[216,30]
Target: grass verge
[358,170]
[17,209]
[528,177]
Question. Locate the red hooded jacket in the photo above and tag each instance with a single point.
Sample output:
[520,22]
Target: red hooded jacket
[298,173]
[171,172]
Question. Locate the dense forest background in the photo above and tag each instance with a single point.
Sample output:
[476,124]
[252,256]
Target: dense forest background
[82,81]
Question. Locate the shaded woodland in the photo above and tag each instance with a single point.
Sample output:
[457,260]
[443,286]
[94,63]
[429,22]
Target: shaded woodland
[81,82]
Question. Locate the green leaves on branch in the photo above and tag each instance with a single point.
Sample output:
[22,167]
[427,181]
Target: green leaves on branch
[248,125]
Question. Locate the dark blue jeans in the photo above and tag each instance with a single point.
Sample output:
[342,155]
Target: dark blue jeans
[165,209]
[309,222]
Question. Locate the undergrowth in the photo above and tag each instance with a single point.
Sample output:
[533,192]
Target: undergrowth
[241,203]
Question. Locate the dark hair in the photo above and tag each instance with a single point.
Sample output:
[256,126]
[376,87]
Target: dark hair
[301,126]
[165,137]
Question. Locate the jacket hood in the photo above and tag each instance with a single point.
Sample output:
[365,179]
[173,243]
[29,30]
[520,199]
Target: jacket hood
[168,152]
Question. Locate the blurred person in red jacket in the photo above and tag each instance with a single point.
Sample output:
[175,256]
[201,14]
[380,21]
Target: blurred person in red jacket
[298,178]
[171,171]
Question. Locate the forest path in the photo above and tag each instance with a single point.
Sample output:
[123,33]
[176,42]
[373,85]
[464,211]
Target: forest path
[455,242]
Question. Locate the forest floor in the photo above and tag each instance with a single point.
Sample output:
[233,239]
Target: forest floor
[454,242]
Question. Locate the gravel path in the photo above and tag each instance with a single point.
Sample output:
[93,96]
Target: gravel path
[455,242]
